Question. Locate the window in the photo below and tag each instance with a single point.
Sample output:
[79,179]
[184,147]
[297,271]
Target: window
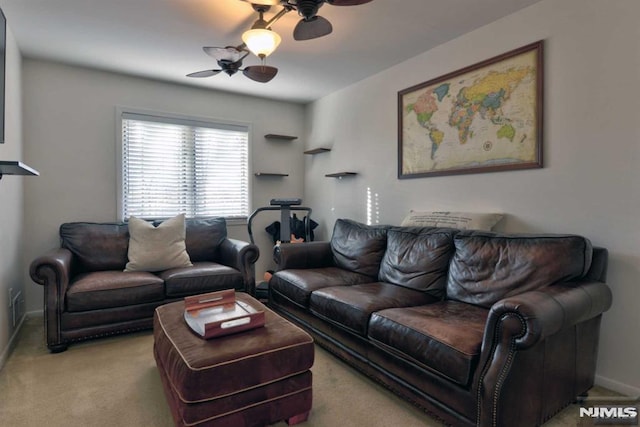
[172,165]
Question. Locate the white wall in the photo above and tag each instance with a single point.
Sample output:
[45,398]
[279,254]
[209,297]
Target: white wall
[70,137]
[590,183]
[11,198]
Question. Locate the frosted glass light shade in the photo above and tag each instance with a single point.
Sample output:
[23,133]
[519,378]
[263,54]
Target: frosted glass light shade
[261,42]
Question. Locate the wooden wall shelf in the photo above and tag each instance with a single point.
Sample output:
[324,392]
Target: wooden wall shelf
[317,150]
[282,137]
[340,175]
[272,174]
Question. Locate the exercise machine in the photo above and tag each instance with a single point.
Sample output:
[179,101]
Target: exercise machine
[285,206]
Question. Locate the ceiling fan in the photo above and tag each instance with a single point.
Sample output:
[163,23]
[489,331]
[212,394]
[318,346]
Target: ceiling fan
[311,26]
[230,61]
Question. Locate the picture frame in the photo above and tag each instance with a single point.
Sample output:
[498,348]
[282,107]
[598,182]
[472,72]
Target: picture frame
[486,117]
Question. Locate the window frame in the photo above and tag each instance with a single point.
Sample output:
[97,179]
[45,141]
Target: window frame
[176,118]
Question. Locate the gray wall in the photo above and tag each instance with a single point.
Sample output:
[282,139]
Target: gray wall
[11,198]
[590,183]
[72,134]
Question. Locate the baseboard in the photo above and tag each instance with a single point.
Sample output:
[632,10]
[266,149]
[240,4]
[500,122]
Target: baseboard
[12,342]
[617,386]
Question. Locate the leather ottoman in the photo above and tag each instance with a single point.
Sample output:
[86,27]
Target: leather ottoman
[252,378]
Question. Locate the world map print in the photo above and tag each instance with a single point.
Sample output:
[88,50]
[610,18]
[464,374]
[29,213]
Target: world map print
[474,120]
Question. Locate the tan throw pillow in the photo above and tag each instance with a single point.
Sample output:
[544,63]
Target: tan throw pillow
[460,220]
[157,248]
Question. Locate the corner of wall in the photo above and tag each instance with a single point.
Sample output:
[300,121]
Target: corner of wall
[12,199]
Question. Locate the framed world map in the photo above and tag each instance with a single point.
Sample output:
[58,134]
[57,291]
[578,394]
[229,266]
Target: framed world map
[483,118]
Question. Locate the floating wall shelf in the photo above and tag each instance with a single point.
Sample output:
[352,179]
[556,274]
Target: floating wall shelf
[16,168]
[270,174]
[317,150]
[340,175]
[282,137]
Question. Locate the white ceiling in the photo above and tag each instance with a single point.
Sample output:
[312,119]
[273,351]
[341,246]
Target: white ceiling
[162,39]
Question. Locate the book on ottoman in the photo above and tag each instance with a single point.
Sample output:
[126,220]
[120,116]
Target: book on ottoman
[217,314]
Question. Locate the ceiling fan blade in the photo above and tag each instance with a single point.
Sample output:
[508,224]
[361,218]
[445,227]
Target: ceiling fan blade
[229,53]
[347,2]
[205,73]
[260,73]
[264,2]
[312,28]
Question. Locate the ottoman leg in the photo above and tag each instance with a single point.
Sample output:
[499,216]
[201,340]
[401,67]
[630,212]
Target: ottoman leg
[300,418]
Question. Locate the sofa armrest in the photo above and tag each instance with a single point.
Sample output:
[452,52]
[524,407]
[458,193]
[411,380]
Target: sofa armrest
[544,312]
[518,323]
[54,267]
[242,256]
[303,255]
[53,271]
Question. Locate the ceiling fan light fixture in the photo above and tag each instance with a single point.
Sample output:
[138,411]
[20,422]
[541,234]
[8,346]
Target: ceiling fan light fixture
[261,41]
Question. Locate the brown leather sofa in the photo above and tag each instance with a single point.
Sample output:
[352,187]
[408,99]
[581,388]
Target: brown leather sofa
[476,328]
[88,295]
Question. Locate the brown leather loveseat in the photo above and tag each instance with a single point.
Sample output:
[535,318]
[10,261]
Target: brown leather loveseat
[476,328]
[88,295]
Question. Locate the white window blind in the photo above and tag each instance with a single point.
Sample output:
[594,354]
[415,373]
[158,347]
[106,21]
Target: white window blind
[172,166]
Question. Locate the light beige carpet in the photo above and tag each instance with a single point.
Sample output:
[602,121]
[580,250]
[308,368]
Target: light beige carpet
[114,382]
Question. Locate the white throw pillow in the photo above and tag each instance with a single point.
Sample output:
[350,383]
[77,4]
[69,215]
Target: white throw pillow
[460,220]
[157,248]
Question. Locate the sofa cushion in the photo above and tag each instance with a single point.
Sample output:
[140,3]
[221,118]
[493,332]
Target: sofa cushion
[96,247]
[157,248]
[204,237]
[351,306]
[297,285]
[108,289]
[488,267]
[358,247]
[445,337]
[418,258]
[202,277]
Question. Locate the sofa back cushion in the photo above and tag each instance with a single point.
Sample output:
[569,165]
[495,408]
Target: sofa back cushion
[487,267]
[96,247]
[418,258]
[204,237]
[104,246]
[358,247]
